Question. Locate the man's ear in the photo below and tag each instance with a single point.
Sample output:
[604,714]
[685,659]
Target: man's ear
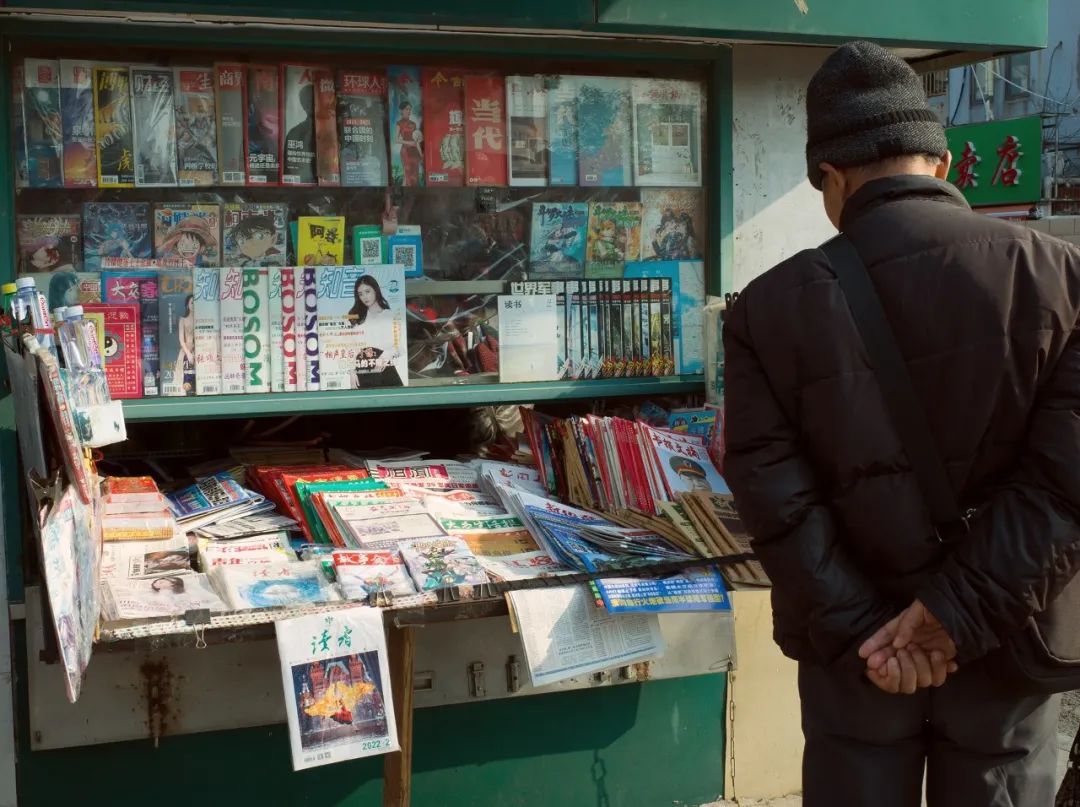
[831,175]
[942,170]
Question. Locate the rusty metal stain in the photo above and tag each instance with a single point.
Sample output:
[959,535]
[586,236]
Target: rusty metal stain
[157,689]
[643,670]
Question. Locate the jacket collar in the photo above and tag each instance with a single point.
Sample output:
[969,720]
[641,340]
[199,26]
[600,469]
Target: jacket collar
[877,192]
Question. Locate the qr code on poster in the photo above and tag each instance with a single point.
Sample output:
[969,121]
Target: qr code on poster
[370,250]
[405,254]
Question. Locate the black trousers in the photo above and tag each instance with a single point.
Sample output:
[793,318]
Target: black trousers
[981,742]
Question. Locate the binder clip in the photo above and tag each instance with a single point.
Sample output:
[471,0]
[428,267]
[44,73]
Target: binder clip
[198,618]
[380,598]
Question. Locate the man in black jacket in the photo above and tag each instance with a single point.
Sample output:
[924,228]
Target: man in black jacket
[985,314]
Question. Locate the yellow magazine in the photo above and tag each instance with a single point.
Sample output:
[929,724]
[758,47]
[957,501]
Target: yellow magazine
[321,241]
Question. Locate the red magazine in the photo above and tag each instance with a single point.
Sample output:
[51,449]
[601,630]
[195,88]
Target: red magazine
[443,96]
[123,359]
[485,130]
[326,133]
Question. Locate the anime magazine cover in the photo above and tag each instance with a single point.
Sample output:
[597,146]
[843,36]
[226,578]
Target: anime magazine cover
[112,124]
[263,126]
[115,230]
[254,234]
[190,232]
[672,226]
[196,126]
[443,97]
[153,114]
[298,115]
[559,236]
[49,243]
[43,128]
[77,120]
[406,126]
[361,108]
[614,238]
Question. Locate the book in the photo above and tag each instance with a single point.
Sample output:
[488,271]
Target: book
[307,329]
[667,132]
[562,131]
[528,338]
[327,159]
[274,585]
[140,288]
[406,126]
[207,301]
[122,348]
[43,127]
[135,559]
[196,127]
[153,117]
[436,563]
[361,108]
[559,238]
[142,490]
[112,125]
[604,132]
[232,331]
[361,573]
[115,230]
[153,526]
[369,245]
[289,344]
[260,550]
[443,97]
[168,595]
[614,238]
[254,233]
[688,295]
[263,125]
[209,494]
[298,165]
[49,243]
[190,232]
[380,521]
[177,332]
[485,131]
[18,127]
[256,305]
[406,248]
[361,325]
[230,100]
[320,241]
[672,225]
[275,314]
[527,111]
[77,123]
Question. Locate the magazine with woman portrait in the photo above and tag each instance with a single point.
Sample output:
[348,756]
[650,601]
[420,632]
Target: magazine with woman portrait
[362,326]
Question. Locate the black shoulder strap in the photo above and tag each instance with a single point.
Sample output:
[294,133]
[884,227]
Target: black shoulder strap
[905,408]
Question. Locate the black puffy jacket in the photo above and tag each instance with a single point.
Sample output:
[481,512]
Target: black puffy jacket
[985,313]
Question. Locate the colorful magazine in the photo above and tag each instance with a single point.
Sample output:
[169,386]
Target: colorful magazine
[444,126]
[230,84]
[274,585]
[362,573]
[141,288]
[153,115]
[209,494]
[274,313]
[604,132]
[672,225]
[527,110]
[436,563]
[321,241]
[123,348]
[485,131]
[256,307]
[263,126]
[307,329]
[49,243]
[254,234]
[177,329]
[196,127]
[115,230]
[190,232]
[77,117]
[232,331]
[18,127]
[43,127]
[112,124]
[327,160]
[168,595]
[667,132]
[559,238]
[361,108]
[207,302]
[289,345]
[562,131]
[298,165]
[614,238]
[406,126]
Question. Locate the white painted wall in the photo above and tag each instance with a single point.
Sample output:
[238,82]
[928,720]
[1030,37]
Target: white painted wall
[777,212]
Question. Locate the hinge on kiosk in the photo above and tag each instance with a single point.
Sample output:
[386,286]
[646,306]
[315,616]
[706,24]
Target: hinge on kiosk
[198,618]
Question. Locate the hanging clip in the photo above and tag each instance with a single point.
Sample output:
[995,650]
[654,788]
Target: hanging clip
[198,618]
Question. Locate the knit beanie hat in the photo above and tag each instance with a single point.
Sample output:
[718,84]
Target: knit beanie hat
[866,104]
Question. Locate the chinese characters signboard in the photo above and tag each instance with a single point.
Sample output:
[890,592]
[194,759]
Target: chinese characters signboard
[997,163]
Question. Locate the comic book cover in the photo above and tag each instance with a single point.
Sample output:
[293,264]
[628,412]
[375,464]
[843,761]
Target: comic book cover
[559,237]
[196,126]
[443,98]
[667,132]
[406,126]
[232,330]
[526,107]
[361,108]
[139,288]
[327,161]
[361,322]
[123,367]
[485,131]
[307,327]
[42,124]
[275,314]
[614,237]
[230,85]
[207,302]
[176,329]
[287,284]
[263,125]
[153,116]
[256,305]
[298,166]
[320,241]
[49,243]
[191,232]
[18,128]
[115,230]
[604,132]
[562,131]
[77,122]
[672,225]
[254,233]
[112,126]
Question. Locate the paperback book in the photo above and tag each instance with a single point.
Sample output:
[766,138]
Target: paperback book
[115,230]
[256,307]
[485,131]
[667,132]
[320,241]
[298,115]
[254,234]
[139,288]
[112,124]
[361,108]
[196,127]
[363,573]
[77,120]
[263,125]
[527,110]
[207,302]
[153,115]
[614,238]
[177,332]
[232,331]
[190,232]
[604,132]
[122,348]
[43,127]
[406,126]
[327,159]
[49,243]
[436,563]
[559,238]
[444,126]
[230,84]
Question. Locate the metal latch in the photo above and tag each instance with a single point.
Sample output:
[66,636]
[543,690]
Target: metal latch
[513,674]
[476,679]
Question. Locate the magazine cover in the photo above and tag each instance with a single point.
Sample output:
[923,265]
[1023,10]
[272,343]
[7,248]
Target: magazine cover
[287,285]
[562,131]
[123,364]
[406,126]
[256,306]
[672,225]
[361,108]
[190,232]
[115,230]
[337,686]
[263,127]
[298,114]
[559,237]
[112,126]
[667,132]
[443,97]
[274,585]
[485,131]
[307,329]
[441,563]
[18,128]
[43,128]
[276,355]
[207,302]
[688,293]
[362,573]
[362,327]
[327,161]
[167,595]
[604,132]
[684,463]
[254,234]
[232,331]
[140,288]
[527,109]
[230,97]
[614,237]
[49,243]
[320,241]
[196,126]
[153,115]
[134,559]
[77,121]
[176,307]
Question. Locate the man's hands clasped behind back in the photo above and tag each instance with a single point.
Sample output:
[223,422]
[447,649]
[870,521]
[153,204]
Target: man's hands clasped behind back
[909,653]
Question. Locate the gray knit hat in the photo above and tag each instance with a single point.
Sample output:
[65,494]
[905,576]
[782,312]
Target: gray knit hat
[865,104]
